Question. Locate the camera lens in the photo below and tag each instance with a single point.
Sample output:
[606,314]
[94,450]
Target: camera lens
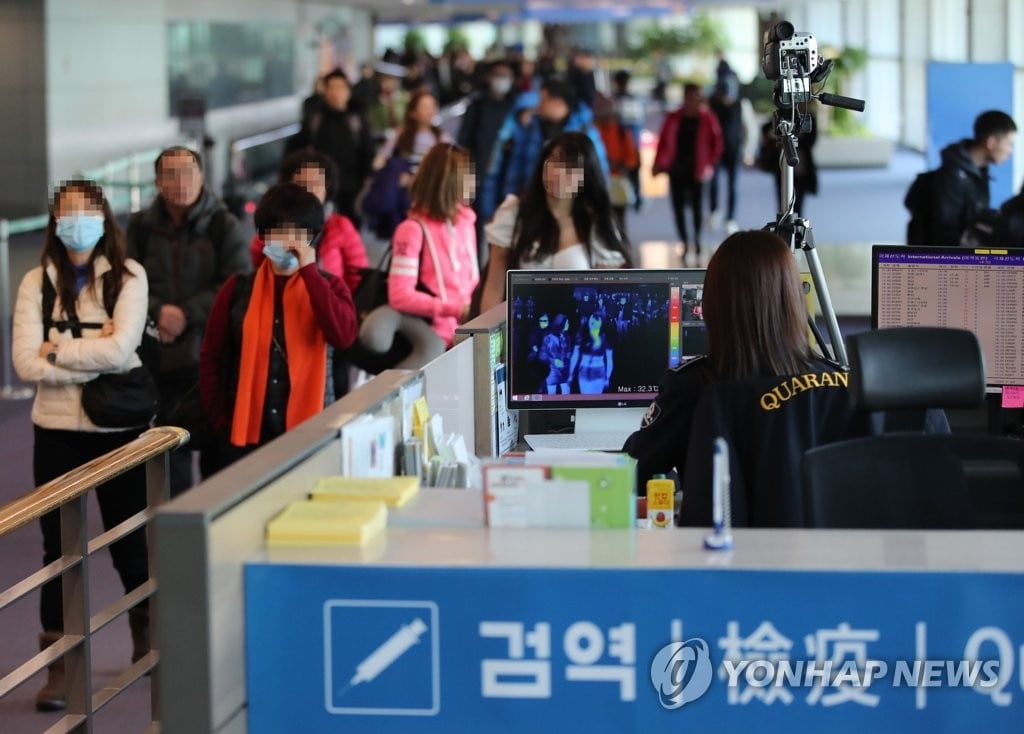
[784,30]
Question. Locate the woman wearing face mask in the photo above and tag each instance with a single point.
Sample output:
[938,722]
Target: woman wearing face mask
[84,263]
[562,220]
[434,268]
[340,251]
[263,366]
[593,357]
[481,127]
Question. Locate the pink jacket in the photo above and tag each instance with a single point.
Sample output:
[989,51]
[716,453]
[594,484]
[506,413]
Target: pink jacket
[707,148]
[444,263]
[341,251]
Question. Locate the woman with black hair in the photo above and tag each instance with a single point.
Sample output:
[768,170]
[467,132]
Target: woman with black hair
[263,366]
[563,219]
[85,268]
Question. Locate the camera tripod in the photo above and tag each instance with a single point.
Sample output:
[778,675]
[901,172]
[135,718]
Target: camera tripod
[793,228]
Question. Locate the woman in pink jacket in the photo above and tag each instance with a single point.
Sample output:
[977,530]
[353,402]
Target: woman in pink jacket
[434,266]
[689,147]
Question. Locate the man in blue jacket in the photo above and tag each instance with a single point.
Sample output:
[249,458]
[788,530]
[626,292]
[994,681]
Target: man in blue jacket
[557,113]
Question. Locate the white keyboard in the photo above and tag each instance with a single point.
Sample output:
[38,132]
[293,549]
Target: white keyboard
[577,441]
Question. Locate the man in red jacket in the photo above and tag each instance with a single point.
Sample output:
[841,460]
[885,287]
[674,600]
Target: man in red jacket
[689,147]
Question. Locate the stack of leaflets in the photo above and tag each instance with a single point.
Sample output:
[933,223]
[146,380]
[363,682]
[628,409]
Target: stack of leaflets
[307,522]
[558,489]
[393,491]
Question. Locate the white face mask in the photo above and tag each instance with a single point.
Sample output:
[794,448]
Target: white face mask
[501,85]
[279,256]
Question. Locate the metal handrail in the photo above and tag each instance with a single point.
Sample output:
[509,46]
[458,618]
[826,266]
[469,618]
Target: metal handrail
[75,483]
[67,495]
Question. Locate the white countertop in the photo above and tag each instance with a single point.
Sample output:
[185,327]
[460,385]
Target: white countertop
[444,528]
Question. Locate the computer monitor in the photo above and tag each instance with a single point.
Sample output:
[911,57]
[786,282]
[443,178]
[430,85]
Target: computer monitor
[981,290]
[599,340]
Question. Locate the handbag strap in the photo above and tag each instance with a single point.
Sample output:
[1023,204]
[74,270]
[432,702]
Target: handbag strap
[428,240]
[384,265]
[71,323]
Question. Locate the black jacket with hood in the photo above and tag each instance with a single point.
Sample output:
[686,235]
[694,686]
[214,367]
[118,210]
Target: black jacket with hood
[959,192]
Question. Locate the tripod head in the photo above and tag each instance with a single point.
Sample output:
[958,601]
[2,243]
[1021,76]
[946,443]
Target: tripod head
[791,59]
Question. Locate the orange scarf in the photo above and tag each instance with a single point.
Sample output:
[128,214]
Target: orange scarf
[304,346]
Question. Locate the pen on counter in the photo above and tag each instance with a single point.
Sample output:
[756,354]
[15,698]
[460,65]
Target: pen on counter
[720,537]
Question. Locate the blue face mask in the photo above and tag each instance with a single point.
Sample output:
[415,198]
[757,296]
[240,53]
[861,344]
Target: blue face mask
[80,232]
[282,258]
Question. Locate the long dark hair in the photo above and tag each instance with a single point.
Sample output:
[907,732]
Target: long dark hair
[591,207]
[111,246]
[754,308]
[407,137]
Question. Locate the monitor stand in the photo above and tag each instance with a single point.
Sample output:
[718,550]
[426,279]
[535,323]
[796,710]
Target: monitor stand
[603,429]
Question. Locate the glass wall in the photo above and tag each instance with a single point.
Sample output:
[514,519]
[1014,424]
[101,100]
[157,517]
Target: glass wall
[229,63]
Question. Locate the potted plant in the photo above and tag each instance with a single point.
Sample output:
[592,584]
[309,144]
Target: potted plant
[846,142]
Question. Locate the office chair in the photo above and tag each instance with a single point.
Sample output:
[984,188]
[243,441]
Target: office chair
[903,477]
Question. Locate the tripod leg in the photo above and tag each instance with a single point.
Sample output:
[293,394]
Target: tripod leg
[825,300]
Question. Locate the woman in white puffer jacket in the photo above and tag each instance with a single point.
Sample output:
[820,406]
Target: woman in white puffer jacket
[83,242]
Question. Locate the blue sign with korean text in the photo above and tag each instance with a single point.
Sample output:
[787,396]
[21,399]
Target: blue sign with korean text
[398,649]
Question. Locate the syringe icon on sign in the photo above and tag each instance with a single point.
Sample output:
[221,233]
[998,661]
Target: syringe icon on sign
[387,653]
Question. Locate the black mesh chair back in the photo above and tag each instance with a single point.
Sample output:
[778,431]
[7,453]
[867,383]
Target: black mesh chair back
[905,478]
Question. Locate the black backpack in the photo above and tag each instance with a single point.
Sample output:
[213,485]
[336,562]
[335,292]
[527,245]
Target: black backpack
[918,202]
[149,348]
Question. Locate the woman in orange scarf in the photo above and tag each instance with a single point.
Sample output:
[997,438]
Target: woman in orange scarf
[270,338]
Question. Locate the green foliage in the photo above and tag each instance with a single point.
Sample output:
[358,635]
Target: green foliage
[847,126]
[457,41]
[702,36]
[415,41]
[759,92]
[845,63]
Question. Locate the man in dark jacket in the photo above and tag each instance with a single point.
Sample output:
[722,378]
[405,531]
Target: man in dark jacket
[1013,219]
[960,189]
[189,243]
[580,77]
[730,119]
[341,132]
[480,126]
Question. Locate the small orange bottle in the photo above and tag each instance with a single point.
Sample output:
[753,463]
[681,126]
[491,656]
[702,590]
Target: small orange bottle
[660,501]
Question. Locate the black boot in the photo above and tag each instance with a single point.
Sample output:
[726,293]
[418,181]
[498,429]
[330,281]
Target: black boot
[138,621]
[52,697]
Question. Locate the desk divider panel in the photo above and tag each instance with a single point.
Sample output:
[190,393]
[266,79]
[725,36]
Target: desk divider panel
[201,540]
[448,386]
[487,333]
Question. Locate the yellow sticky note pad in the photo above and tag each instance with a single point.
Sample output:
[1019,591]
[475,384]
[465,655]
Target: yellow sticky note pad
[306,523]
[394,491]
[420,417]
